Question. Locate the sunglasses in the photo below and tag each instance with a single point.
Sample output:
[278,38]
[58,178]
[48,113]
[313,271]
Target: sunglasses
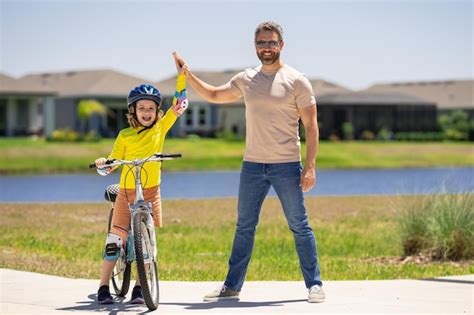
[267,44]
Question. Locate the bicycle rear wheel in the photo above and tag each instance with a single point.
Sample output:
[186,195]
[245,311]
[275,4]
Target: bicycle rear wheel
[146,264]
[121,273]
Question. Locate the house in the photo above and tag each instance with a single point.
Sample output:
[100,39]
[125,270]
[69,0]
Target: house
[204,118]
[50,101]
[208,119]
[25,109]
[373,112]
[448,95]
[109,87]
[336,105]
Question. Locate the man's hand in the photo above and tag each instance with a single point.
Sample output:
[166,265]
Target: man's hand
[308,178]
[181,65]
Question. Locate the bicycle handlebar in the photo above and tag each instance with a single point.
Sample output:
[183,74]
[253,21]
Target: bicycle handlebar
[158,157]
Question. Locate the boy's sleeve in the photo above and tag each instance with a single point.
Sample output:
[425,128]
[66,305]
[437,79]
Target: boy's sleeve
[180,99]
[179,104]
[118,152]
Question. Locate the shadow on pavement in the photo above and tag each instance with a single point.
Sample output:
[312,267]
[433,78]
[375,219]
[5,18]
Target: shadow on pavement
[448,280]
[231,304]
[120,305]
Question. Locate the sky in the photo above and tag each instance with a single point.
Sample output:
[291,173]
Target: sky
[351,43]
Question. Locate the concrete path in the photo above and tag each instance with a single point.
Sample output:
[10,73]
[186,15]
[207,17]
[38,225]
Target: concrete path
[31,293]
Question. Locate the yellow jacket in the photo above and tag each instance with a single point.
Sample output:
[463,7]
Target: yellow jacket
[131,145]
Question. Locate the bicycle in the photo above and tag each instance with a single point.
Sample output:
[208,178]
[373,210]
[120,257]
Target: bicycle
[141,241]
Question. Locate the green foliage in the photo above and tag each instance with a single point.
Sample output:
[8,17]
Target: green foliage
[348,131]
[384,134]
[87,108]
[228,136]
[419,136]
[68,135]
[456,125]
[367,135]
[64,135]
[441,226]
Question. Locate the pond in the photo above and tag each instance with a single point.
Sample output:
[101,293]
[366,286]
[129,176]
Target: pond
[197,185]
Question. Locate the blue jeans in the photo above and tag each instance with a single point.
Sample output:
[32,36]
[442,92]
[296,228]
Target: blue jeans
[255,181]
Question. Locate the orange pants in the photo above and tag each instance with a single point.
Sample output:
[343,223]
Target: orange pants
[121,217]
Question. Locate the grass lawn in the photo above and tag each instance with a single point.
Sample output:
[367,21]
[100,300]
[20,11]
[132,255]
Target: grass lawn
[357,239]
[21,155]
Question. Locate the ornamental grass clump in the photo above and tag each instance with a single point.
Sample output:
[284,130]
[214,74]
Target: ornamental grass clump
[440,226]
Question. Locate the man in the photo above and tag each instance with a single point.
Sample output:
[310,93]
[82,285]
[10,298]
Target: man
[276,96]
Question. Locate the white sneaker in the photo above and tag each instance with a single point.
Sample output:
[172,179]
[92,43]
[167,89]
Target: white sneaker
[316,294]
[222,293]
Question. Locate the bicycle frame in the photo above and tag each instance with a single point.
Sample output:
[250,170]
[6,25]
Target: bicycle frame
[141,243]
[139,203]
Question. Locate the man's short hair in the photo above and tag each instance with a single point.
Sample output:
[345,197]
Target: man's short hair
[269,26]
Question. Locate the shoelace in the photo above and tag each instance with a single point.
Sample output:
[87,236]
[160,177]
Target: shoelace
[314,288]
[221,288]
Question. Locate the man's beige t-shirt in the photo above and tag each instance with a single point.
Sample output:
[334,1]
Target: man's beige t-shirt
[271,111]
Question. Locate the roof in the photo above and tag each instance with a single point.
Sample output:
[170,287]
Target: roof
[447,94]
[366,98]
[10,85]
[93,83]
[322,87]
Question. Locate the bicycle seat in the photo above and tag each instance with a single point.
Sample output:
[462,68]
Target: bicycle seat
[111,192]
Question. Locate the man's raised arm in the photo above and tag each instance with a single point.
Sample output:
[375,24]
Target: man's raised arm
[213,94]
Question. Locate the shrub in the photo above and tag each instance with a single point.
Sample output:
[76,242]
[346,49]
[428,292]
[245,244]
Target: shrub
[419,136]
[348,131]
[384,134]
[228,135]
[367,135]
[334,137]
[67,135]
[441,226]
[64,135]
[456,125]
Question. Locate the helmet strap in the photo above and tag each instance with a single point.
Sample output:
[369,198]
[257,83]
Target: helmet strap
[146,128]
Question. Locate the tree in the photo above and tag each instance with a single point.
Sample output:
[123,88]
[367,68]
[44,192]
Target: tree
[455,125]
[87,110]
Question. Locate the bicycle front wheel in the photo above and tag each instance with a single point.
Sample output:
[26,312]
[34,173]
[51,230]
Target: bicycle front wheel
[146,264]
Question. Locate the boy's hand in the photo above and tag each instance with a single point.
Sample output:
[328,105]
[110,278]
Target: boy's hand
[100,162]
[181,106]
[181,65]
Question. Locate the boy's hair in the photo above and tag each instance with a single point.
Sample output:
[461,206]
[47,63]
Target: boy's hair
[269,26]
[132,117]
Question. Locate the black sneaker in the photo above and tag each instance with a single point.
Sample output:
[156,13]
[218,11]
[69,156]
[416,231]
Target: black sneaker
[103,295]
[137,296]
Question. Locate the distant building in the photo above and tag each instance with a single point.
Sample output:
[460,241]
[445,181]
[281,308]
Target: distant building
[109,87]
[41,103]
[373,112]
[448,95]
[25,109]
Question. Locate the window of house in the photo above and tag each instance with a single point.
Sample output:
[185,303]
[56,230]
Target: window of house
[189,117]
[22,116]
[3,117]
[202,116]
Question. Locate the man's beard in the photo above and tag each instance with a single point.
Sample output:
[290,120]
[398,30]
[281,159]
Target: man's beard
[270,59]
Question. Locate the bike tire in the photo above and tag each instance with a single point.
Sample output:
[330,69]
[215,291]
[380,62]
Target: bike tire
[121,277]
[148,276]
[122,270]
